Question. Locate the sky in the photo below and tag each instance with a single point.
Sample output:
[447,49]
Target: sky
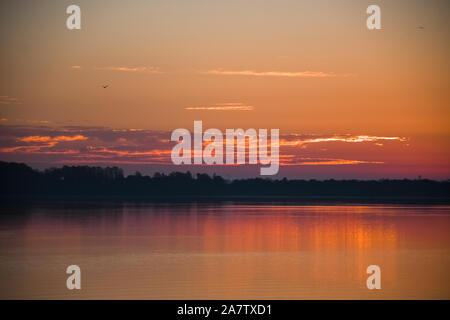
[349,102]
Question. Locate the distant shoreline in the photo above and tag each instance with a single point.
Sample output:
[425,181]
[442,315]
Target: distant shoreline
[280,200]
[20,183]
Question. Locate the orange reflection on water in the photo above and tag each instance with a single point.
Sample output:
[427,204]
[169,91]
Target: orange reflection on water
[227,251]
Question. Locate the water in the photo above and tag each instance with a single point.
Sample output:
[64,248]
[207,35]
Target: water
[224,251]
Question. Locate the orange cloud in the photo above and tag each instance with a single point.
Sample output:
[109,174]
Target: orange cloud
[349,139]
[50,139]
[132,69]
[225,107]
[45,142]
[302,74]
[138,146]
[328,162]
[154,152]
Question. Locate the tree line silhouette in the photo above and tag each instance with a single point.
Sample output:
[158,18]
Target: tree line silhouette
[20,179]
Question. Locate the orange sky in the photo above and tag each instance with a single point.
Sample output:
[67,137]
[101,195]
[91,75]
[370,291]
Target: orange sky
[305,67]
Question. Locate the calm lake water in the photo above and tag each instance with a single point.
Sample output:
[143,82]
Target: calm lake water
[224,251]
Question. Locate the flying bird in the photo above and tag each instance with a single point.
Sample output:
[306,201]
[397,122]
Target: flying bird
[421,27]
[105,86]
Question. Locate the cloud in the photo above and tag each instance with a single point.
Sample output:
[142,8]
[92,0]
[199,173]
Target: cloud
[234,106]
[20,120]
[325,162]
[302,74]
[336,138]
[41,144]
[102,145]
[9,100]
[50,139]
[75,67]
[154,70]
[77,144]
